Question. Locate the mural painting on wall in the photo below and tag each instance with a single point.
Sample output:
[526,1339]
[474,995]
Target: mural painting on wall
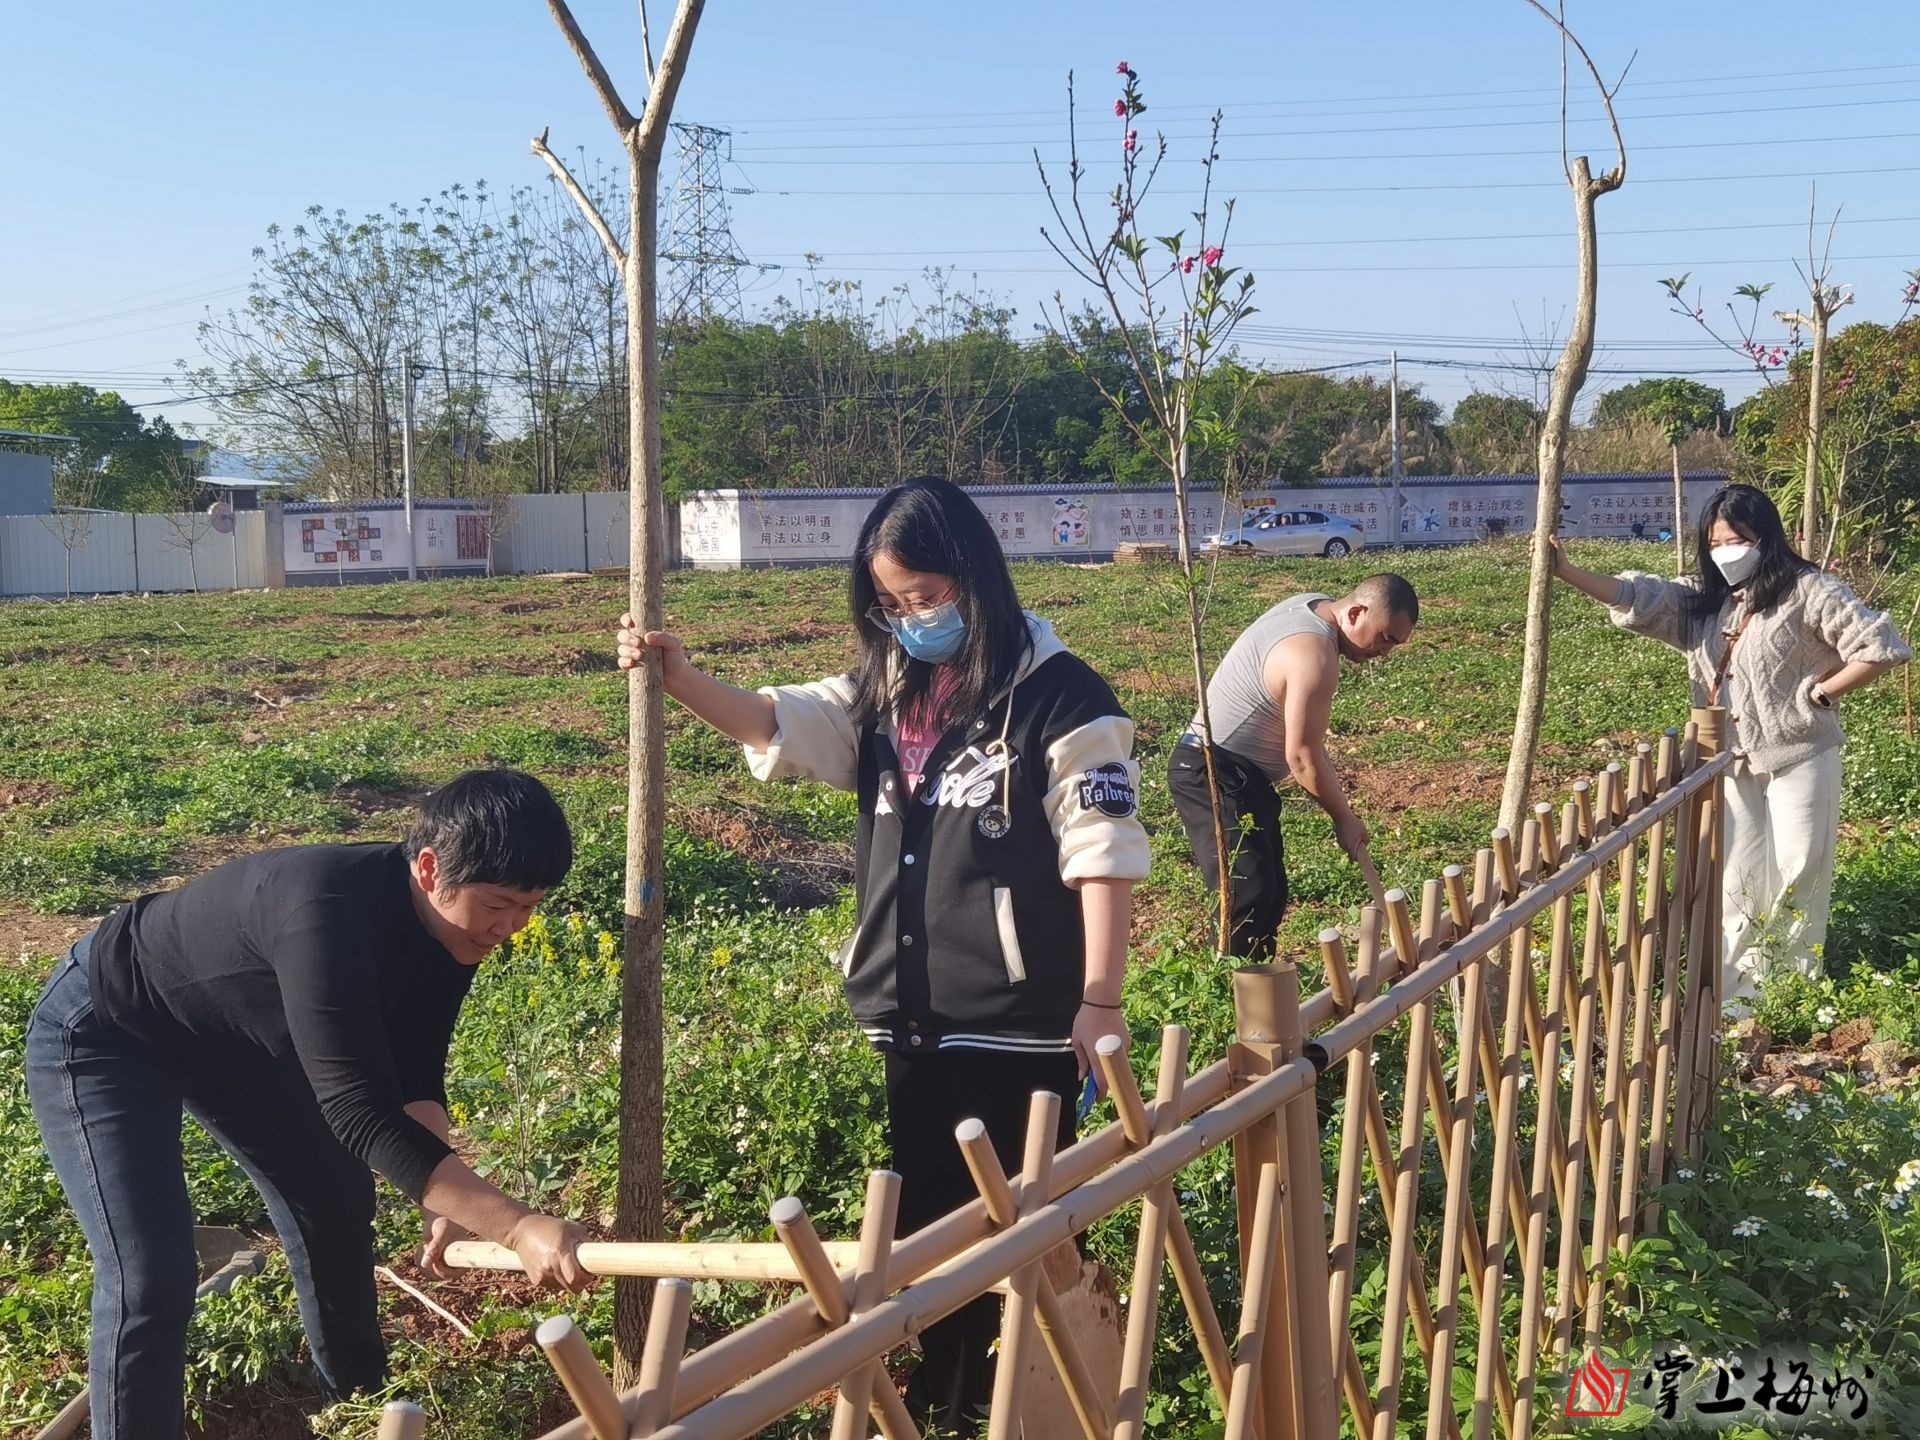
[1070,529]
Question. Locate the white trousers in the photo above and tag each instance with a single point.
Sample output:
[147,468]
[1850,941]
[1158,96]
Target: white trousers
[1781,832]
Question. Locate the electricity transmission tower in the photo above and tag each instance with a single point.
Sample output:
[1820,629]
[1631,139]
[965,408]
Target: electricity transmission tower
[703,280]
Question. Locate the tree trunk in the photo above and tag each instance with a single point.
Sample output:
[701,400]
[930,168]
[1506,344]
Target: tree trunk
[638,1209]
[1810,499]
[1679,517]
[1568,376]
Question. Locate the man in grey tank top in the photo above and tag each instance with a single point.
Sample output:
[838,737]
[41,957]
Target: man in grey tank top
[1269,700]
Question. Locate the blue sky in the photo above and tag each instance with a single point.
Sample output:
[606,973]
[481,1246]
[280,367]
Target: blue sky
[1396,163]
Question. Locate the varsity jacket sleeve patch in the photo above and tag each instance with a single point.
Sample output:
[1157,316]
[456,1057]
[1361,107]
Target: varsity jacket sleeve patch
[1093,803]
[1656,607]
[814,736]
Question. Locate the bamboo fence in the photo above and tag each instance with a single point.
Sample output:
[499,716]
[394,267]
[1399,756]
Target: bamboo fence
[1557,1011]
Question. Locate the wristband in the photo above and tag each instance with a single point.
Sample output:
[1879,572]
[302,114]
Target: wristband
[1096,1005]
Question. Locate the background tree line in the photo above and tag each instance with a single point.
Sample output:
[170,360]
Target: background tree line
[513,319]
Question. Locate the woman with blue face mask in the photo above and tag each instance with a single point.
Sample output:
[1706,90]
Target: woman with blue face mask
[997,850]
[1776,641]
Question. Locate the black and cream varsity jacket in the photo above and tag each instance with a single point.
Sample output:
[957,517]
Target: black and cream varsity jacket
[970,931]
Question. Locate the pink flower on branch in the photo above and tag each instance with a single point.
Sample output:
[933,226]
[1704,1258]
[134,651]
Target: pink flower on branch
[1186,264]
[1123,68]
[1211,255]
[1133,138]
[1120,107]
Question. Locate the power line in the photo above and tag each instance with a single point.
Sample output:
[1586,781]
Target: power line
[785,121]
[1393,187]
[760,156]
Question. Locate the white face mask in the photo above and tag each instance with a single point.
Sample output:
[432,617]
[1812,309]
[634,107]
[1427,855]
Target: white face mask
[1736,562]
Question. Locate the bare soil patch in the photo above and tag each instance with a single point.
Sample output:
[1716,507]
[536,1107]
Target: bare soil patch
[805,871]
[1396,786]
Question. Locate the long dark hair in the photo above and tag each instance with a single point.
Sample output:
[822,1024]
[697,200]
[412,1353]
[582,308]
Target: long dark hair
[931,525]
[1751,513]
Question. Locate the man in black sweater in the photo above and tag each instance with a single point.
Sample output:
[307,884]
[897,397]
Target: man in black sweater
[298,1003]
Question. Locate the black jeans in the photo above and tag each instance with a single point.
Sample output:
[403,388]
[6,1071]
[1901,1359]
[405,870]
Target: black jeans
[1250,812]
[927,1096]
[110,1115]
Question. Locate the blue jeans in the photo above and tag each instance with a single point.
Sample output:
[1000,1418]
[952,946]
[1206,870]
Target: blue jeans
[109,1114]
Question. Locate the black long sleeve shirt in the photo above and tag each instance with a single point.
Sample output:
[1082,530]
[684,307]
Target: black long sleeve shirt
[295,976]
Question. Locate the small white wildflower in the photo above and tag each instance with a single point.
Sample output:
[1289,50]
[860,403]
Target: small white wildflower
[1797,1111]
[1683,1173]
[1819,1191]
[1826,1015]
[1842,1291]
[1566,1069]
[1884,979]
[1746,1229]
[1848,1325]
[1836,1163]
[1782,1313]
[1553,1312]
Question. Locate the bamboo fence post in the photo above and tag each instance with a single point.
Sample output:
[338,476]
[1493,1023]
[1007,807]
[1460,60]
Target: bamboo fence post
[1546,1072]
[1583,808]
[1675,941]
[822,1281]
[402,1420]
[1653,906]
[1505,1155]
[1346,1203]
[1458,1195]
[1304,1245]
[1393,1337]
[1256,1052]
[869,1289]
[1600,1246]
[1261,1303]
[1143,1309]
[1549,838]
[1353,1135]
[1018,1319]
[660,1356]
[1109,1054]
[1406,951]
[1435,921]
[593,1395]
[1505,868]
[1580,1145]
[1002,1207]
[1631,1125]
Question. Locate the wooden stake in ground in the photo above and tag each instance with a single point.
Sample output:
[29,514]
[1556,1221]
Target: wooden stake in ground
[1568,377]
[637,1206]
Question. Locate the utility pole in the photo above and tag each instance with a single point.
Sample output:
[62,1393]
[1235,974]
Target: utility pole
[406,458]
[1393,422]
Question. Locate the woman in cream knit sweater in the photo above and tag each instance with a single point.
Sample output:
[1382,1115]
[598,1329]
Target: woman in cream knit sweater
[1776,641]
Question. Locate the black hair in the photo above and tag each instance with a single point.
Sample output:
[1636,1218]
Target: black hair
[932,525]
[1394,593]
[494,827]
[1750,512]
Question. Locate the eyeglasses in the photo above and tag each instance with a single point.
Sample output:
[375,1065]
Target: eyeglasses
[882,616]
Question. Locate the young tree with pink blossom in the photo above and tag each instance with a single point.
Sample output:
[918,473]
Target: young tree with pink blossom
[1174,304]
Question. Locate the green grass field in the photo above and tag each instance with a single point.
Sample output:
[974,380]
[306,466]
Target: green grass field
[143,740]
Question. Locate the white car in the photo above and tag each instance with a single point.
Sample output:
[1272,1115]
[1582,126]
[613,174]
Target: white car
[1289,532]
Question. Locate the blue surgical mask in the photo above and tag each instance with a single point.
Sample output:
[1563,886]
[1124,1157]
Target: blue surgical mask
[934,636]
